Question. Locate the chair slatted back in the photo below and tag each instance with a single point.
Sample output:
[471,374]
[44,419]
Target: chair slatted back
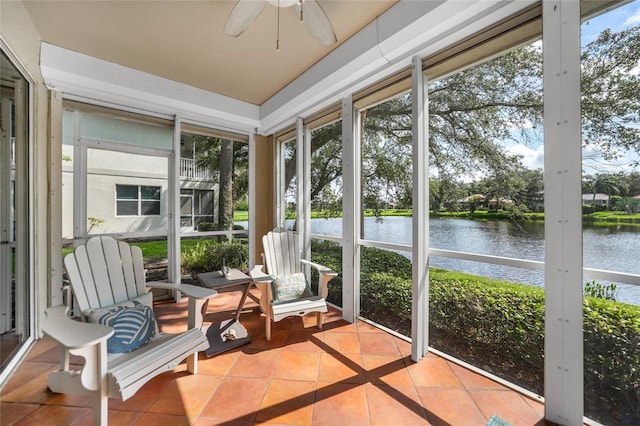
[104,272]
[281,252]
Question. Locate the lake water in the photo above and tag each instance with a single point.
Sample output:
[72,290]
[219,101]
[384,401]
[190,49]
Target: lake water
[612,248]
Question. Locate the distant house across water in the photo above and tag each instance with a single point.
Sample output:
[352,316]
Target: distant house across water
[598,200]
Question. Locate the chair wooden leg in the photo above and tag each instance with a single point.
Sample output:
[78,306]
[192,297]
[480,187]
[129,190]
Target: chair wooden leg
[192,363]
[100,408]
[101,395]
[267,328]
[320,319]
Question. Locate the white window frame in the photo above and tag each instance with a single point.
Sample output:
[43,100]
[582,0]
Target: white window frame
[25,271]
[138,200]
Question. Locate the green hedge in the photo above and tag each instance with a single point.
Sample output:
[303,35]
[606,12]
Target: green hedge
[487,316]
[207,226]
[212,226]
[208,256]
[499,327]
[612,357]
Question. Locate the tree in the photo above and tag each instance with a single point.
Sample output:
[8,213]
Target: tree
[227,161]
[473,201]
[444,192]
[326,161]
[532,196]
[468,113]
[386,162]
[472,111]
[514,189]
[610,96]
[225,192]
[610,184]
[631,181]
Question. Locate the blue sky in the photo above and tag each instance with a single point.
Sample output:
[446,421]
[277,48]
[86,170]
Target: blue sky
[617,19]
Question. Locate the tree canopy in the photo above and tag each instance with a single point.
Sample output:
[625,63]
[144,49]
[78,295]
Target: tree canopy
[474,113]
[228,162]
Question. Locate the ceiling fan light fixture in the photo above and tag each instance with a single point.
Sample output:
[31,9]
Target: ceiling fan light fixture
[282,3]
[314,18]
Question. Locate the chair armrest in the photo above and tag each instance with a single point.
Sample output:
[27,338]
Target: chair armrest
[324,276]
[257,275]
[198,300]
[70,333]
[321,268]
[189,290]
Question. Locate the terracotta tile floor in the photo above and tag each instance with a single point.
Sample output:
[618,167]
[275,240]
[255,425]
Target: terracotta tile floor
[346,374]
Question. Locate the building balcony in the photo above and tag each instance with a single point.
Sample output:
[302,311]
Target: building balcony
[190,170]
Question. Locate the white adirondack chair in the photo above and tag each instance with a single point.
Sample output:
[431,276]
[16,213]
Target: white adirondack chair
[282,277]
[102,273]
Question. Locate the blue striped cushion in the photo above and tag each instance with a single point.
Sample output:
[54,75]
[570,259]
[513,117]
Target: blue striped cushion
[133,327]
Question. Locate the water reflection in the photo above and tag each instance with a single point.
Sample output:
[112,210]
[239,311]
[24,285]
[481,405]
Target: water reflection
[605,247]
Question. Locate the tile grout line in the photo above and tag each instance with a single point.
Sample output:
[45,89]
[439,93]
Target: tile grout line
[466,390]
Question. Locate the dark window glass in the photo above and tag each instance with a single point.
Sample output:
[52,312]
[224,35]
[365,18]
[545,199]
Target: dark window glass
[150,208]
[135,200]
[128,208]
[185,205]
[196,202]
[150,192]
[207,203]
[127,192]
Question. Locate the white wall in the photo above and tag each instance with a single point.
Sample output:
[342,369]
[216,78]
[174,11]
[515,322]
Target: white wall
[104,172]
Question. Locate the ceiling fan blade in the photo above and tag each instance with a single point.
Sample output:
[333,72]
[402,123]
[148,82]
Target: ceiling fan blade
[242,15]
[317,22]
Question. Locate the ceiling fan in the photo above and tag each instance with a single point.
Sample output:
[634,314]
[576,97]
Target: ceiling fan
[309,11]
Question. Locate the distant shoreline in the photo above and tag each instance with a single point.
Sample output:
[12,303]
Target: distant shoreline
[598,218]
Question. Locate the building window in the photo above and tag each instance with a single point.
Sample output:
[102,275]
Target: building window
[196,206]
[137,200]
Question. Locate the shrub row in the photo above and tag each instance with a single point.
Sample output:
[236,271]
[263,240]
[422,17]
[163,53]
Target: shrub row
[212,226]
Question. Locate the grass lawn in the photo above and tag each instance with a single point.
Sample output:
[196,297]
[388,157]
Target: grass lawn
[153,249]
[612,217]
[240,215]
[158,249]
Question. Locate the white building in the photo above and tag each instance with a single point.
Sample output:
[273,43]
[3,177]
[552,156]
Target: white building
[127,192]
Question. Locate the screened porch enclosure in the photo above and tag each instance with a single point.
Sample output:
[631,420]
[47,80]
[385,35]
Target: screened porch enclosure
[440,168]
[381,278]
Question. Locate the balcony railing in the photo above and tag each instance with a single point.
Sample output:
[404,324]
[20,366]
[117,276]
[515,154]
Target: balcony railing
[190,170]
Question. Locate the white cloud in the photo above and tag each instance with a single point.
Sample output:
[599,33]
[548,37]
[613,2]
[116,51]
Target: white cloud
[592,161]
[633,19]
[531,158]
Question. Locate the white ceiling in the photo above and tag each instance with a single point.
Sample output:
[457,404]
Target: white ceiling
[172,58]
[183,40]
